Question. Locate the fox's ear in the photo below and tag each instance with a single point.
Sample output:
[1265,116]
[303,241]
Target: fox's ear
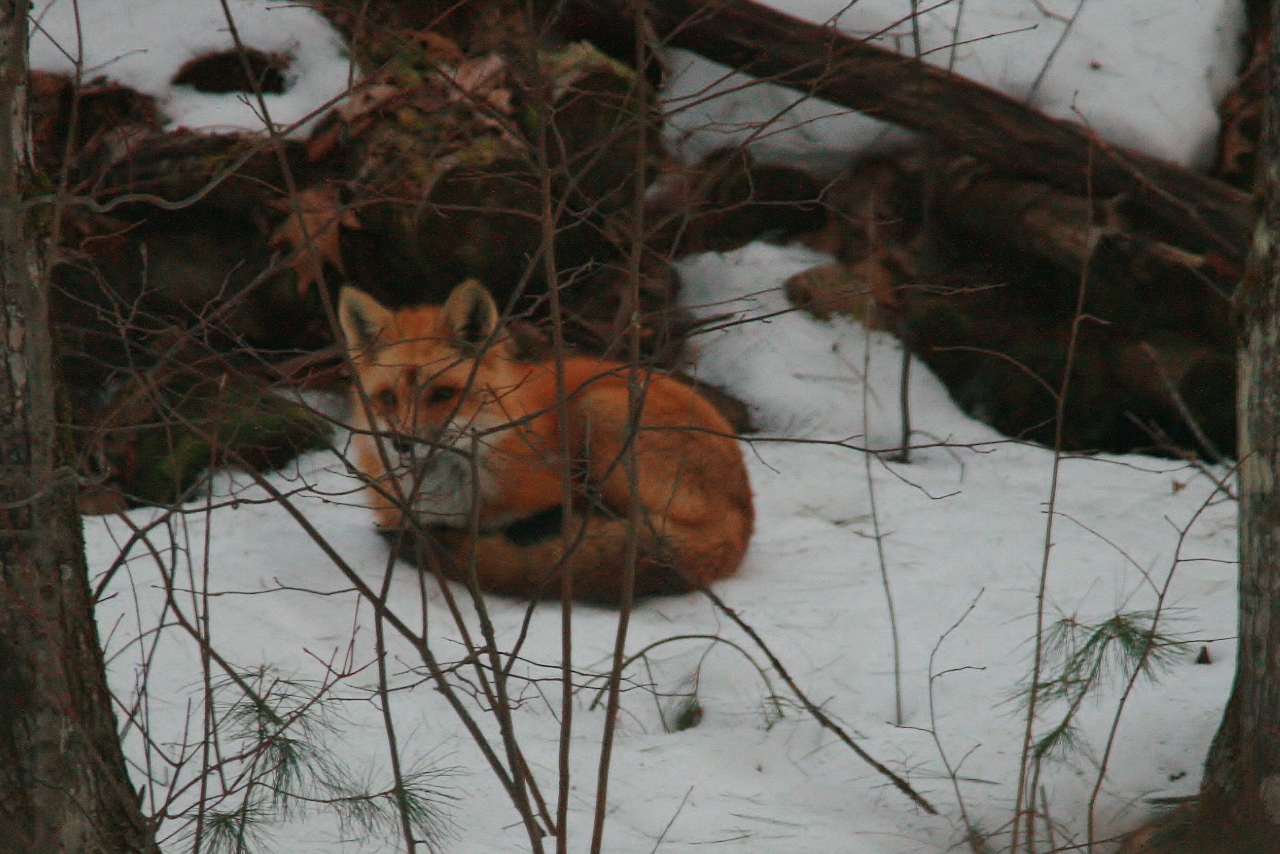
[362,318]
[470,314]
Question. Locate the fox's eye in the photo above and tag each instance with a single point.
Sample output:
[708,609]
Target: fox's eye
[443,394]
[386,398]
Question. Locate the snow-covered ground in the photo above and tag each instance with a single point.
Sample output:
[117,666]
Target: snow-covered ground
[962,529]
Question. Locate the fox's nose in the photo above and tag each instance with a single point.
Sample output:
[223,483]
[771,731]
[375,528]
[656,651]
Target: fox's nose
[403,444]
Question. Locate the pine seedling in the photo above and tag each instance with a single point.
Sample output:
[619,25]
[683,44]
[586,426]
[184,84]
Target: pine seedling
[1081,657]
[278,729]
[237,831]
[364,810]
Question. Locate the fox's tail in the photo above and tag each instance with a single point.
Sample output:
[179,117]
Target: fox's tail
[520,561]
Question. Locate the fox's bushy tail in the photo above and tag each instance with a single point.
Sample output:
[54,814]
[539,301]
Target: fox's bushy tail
[593,548]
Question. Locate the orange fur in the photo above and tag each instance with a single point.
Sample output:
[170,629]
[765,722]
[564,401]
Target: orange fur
[460,439]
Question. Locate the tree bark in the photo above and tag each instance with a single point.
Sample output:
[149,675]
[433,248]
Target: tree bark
[63,782]
[1240,794]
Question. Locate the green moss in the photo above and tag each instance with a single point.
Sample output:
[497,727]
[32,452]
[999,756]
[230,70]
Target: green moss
[482,151]
[204,432]
[566,66]
[411,119]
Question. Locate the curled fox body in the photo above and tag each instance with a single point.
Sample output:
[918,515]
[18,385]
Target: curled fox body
[464,444]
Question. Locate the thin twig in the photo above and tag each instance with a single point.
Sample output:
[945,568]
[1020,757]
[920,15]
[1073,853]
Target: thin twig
[1027,773]
[1139,667]
[1048,61]
[638,94]
[972,836]
[820,716]
[878,534]
[1206,444]
[658,844]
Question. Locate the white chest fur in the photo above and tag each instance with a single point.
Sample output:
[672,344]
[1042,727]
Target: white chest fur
[440,484]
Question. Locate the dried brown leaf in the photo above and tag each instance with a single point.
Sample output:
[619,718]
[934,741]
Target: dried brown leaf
[312,232]
[439,49]
[365,98]
[480,80]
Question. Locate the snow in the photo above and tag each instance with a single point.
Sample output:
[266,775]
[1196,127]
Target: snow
[963,531]
[143,43]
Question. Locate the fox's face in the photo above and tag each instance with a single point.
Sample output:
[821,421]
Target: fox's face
[430,373]
[430,383]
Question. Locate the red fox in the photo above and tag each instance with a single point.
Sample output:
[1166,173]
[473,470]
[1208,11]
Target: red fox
[460,439]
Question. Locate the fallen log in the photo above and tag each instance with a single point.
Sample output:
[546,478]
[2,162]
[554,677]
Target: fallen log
[1186,208]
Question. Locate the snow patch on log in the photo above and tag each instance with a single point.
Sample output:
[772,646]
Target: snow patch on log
[143,44]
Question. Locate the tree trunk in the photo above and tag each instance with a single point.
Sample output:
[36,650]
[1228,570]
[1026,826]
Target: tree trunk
[1240,795]
[63,783]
